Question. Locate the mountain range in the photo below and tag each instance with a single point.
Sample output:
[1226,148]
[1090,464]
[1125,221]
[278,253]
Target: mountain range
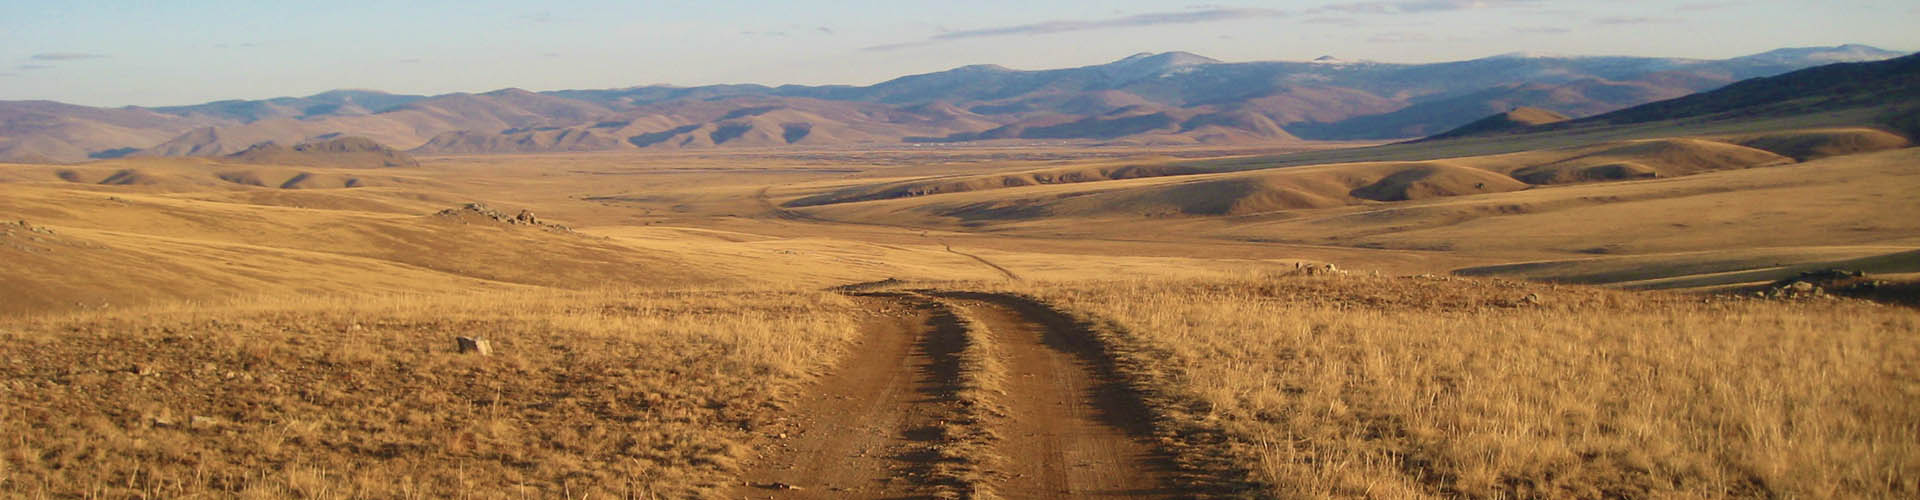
[1172,98]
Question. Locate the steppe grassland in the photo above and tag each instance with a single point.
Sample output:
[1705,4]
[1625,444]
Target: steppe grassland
[1410,388]
[608,394]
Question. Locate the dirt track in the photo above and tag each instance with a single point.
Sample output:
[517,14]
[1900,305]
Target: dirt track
[1071,429]
[1003,271]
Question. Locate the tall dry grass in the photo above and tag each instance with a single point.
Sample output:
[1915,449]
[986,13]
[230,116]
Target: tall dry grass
[603,394]
[1418,388]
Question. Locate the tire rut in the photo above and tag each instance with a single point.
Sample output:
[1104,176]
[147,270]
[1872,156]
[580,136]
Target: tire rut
[1003,270]
[864,431]
[1069,426]
[1073,428]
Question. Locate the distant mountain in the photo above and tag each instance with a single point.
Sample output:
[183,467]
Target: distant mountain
[1889,90]
[1578,98]
[51,131]
[344,152]
[1165,98]
[330,103]
[1892,84]
[757,121]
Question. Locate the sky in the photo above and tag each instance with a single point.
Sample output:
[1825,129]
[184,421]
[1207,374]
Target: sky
[153,53]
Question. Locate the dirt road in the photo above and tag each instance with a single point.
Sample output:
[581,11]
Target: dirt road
[855,435]
[1071,429]
[996,267]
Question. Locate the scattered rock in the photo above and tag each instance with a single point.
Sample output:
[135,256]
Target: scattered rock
[1816,284]
[470,345]
[524,218]
[1317,269]
[1532,299]
[1794,290]
[22,224]
[202,422]
[143,369]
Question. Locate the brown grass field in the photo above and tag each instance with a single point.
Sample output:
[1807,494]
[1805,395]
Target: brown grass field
[612,393]
[1565,315]
[1411,388]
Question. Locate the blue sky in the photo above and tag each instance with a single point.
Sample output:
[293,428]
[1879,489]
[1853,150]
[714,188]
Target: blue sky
[112,53]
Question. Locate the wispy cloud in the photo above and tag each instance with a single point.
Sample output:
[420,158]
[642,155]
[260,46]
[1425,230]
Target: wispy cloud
[1339,21]
[1704,6]
[1543,30]
[1631,20]
[1149,19]
[1399,37]
[31,67]
[66,56]
[1403,7]
[1328,14]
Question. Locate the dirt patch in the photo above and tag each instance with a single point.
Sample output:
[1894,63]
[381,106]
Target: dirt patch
[1074,429]
[865,430]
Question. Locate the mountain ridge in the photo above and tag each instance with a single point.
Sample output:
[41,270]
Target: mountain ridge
[1341,100]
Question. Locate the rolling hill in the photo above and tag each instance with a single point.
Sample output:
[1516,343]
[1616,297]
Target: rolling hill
[349,152]
[1810,115]
[1512,120]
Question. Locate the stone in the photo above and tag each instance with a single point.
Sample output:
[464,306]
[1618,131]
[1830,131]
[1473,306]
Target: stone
[471,345]
[1319,269]
[202,422]
[1532,299]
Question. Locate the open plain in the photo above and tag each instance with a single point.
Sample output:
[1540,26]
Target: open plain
[968,322]
[1696,279]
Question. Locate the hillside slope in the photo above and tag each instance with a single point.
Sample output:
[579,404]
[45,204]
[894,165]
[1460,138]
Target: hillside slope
[1515,120]
[1892,84]
[350,152]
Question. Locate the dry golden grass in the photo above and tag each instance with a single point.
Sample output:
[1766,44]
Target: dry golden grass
[1317,387]
[590,395]
[1414,387]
